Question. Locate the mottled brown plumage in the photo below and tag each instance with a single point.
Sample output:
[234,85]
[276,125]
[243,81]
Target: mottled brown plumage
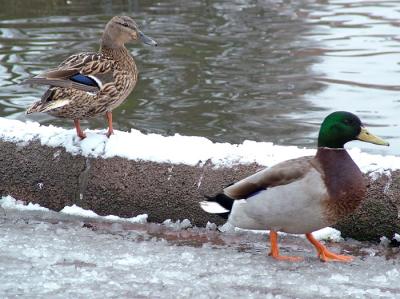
[88,84]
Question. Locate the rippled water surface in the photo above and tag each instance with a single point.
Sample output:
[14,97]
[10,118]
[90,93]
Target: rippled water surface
[264,70]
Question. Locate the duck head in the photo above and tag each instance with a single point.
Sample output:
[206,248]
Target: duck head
[341,127]
[122,29]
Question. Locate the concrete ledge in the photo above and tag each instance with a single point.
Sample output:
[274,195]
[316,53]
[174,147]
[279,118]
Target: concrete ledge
[55,178]
[164,177]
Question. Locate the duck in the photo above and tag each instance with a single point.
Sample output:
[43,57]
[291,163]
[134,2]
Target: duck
[300,196]
[88,84]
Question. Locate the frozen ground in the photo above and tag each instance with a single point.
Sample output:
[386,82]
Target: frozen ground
[44,254]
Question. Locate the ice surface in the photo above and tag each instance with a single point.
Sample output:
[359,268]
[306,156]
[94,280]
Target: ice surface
[8,202]
[55,258]
[176,149]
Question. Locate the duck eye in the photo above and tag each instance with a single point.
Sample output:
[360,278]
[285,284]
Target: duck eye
[124,24]
[347,121]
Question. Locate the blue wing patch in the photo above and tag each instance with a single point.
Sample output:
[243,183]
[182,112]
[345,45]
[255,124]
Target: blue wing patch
[85,80]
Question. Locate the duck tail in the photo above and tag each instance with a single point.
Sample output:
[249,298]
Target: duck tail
[220,204]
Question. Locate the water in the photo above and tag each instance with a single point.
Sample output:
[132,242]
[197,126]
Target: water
[229,70]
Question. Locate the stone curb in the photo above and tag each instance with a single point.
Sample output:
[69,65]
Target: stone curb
[54,179]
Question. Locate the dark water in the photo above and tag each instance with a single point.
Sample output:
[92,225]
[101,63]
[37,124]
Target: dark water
[228,70]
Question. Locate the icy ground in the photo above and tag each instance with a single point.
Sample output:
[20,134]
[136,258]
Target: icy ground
[44,254]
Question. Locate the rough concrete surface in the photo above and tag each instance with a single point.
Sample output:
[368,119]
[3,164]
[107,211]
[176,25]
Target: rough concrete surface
[54,178]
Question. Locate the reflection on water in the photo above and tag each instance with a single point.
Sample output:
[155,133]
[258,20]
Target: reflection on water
[229,70]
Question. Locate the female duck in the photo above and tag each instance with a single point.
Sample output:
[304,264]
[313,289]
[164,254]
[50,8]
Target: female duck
[88,84]
[302,195]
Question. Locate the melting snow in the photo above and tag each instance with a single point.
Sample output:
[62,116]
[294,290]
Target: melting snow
[176,149]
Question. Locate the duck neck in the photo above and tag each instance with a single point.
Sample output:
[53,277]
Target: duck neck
[339,170]
[114,47]
[117,53]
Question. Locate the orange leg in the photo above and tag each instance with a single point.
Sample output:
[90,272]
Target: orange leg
[324,254]
[79,131]
[110,126]
[275,250]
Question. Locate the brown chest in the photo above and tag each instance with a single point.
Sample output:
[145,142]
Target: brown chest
[344,181]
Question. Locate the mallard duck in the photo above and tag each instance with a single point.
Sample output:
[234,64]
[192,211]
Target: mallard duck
[88,84]
[302,195]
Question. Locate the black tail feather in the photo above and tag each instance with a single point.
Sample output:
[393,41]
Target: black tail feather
[225,201]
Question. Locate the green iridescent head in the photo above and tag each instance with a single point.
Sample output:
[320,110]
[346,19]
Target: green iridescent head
[341,127]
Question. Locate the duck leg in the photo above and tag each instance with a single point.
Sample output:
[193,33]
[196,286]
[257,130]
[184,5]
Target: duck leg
[110,126]
[275,250]
[324,254]
[79,131]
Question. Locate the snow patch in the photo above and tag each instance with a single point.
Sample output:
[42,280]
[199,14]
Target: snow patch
[176,149]
[397,237]
[177,225]
[328,234]
[8,202]
[211,226]
[78,211]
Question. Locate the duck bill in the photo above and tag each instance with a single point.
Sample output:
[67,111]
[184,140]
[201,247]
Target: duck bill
[368,137]
[147,40]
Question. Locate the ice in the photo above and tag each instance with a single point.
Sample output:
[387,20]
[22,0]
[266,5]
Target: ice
[340,278]
[60,259]
[384,241]
[52,256]
[176,149]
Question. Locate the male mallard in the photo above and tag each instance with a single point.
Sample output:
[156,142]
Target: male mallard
[87,84]
[302,195]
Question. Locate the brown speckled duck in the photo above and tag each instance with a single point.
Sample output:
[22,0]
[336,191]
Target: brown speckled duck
[88,84]
[302,195]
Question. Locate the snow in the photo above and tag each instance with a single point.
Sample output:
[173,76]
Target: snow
[49,257]
[328,234]
[175,149]
[177,225]
[8,202]
[397,237]
[78,211]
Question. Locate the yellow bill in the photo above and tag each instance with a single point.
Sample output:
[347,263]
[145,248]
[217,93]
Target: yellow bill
[368,137]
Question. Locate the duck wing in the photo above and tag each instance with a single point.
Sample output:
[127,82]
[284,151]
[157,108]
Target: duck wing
[84,71]
[280,174]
